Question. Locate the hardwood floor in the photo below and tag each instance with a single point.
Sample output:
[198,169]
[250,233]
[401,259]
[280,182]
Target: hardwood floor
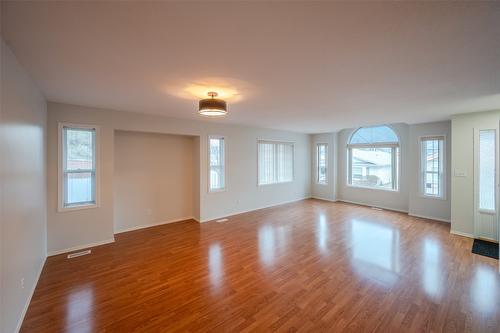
[307,266]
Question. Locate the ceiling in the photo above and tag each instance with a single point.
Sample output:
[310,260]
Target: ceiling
[303,66]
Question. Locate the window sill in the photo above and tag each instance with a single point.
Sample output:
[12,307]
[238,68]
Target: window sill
[322,184]
[217,190]
[280,183]
[77,207]
[373,188]
[423,196]
[487,211]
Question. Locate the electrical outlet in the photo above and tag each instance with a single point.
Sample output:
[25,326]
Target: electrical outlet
[22,283]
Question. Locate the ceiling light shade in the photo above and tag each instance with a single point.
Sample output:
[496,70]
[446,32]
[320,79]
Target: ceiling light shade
[212,107]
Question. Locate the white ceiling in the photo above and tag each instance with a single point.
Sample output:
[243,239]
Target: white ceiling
[302,66]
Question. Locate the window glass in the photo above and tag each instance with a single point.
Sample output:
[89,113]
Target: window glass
[432,160]
[487,169]
[216,156]
[78,166]
[322,155]
[275,162]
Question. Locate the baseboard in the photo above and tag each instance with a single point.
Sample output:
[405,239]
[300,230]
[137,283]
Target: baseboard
[154,224]
[251,210]
[28,301]
[430,218]
[324,199]
[459,233]
[376,206]
[80,247]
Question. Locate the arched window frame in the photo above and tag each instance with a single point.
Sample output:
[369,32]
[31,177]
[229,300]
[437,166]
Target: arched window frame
[395,159]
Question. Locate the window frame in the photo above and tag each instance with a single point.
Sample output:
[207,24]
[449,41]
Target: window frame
[396,153]
[223,189]
[421,140]
[291,143]
[326,163]
[61,168]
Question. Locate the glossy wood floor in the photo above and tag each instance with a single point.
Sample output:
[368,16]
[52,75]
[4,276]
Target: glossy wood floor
[307,266]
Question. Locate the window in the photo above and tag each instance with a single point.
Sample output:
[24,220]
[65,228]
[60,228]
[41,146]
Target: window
[373,158]
[78,166]
[487,170]
[321,163]
[432,166]
[275,162]
[217,168]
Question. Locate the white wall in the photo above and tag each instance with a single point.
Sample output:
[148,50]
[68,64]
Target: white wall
[424,206]
[90,226]
[153,180]
[462,188]
[328,191]
[23,181]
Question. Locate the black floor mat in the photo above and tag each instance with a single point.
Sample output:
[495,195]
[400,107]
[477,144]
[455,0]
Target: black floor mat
[484,248]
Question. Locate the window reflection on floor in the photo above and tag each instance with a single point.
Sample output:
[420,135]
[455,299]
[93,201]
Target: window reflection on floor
[484,289]
[215,264]
[431,268]
[322,234]
[273,241]
[375,250]
[79,306]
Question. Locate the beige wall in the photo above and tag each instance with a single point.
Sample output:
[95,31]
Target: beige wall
[462,154]
[153,179]
[23,189]
[75,229]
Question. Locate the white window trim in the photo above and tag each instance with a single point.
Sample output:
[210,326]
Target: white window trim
[396,172]
[60,182]
[293,161]
[326,163]
[218,190]
[477,132]
[421,170]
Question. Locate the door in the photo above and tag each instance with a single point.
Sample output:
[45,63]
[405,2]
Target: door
[485,183]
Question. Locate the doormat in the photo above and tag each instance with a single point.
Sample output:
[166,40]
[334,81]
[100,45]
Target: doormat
[484,248]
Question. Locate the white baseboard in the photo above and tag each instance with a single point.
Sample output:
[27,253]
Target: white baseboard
[459,233]
[154,224]
[80,247]
[376,206]
[251,210]
[324,199]
[28,300]
[430,218]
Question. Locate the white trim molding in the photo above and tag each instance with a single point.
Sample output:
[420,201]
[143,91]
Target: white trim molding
[80,247]
[375,206]
[28,300]
[460,233]
[430,218]
[144,226]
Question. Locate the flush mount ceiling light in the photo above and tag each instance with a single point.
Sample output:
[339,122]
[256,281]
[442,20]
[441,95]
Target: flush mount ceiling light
[212,107]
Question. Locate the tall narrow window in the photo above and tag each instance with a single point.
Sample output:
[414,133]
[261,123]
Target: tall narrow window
[487,170]
[217,167]
[78,166]
[373,157]
[275,162]
[321,163]
[432,166]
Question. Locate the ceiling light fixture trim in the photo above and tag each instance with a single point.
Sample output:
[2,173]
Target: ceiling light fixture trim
[212,107]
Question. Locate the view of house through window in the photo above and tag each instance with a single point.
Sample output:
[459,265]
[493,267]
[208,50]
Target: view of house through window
[216,157]
[321,155]
[432,166]
[79,166]
[373,157]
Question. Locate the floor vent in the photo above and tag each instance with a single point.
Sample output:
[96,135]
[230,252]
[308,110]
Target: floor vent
[221,220]
[79,254]
[376,208]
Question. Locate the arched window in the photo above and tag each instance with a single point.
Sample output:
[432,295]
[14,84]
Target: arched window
[373,156]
